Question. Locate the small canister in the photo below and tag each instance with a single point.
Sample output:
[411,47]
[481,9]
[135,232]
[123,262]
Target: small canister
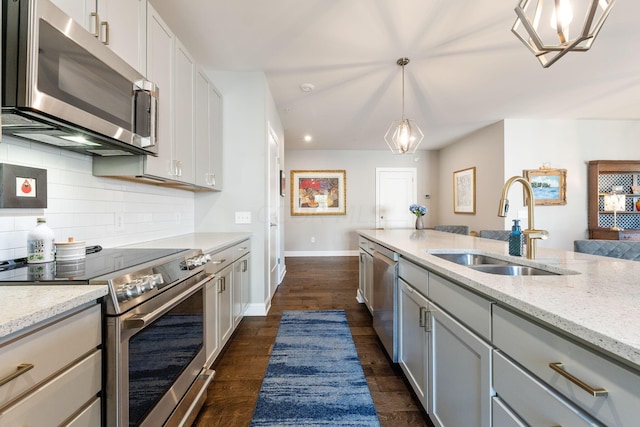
[70,250]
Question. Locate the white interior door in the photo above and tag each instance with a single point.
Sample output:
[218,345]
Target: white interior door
[274,211]
[396,189]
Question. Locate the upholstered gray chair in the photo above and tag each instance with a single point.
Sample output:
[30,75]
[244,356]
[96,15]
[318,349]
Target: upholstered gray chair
[458,229]
[495,234]
[612,248]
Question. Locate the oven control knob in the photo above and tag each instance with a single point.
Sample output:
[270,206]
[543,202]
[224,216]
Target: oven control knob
[129,290]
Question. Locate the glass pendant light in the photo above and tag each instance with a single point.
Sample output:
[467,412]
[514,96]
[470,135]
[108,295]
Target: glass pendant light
[583,17]
[404,135]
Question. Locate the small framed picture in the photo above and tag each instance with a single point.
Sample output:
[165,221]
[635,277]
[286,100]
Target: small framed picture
[318,192]
[283,183]
[549,185]
[464,191]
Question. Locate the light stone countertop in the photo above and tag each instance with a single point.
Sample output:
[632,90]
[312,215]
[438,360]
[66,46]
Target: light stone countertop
[600,305]
[208,242]
[24,306]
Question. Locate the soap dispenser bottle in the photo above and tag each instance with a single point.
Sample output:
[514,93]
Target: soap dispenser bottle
[515,239]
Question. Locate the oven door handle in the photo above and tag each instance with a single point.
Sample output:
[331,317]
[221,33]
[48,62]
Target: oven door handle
[140,320]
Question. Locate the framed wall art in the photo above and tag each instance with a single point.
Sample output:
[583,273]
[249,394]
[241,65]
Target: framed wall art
[549,185]
[318,192]
[464,191]
[283,183]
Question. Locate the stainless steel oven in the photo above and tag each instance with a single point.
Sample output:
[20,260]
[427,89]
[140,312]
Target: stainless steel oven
[154,369]
[157,355]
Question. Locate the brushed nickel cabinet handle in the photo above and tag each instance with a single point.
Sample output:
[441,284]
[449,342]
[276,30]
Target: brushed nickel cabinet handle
[21,369]
[422,318]
[427,320]
[104,25]
[95,24]
[596,392]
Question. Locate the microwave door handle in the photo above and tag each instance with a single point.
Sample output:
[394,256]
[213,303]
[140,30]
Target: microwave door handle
[154,121]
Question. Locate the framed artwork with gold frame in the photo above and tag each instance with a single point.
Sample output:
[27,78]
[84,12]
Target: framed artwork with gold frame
[549,186]
[318,192]
[464,191]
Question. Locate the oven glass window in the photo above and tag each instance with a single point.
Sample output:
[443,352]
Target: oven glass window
[68,72]
[159,353]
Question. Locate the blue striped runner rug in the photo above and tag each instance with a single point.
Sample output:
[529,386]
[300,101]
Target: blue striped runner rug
[314,376]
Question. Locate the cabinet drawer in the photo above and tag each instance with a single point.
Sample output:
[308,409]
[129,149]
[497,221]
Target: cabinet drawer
[471,309]
[414,275]
[220,260]
[535,348]
[364,243]
[48,349]
[502,415]
[89,417]
[534,402]
[57,400]
[241,249]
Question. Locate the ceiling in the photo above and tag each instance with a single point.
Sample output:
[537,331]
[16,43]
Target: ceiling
[467,69]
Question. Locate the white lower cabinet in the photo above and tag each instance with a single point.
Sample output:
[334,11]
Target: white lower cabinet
[459,374]
[365,282]
[226,296]
[413,345]
[51,375]
[534,402]
[503,416]
[586,380]
[240,288]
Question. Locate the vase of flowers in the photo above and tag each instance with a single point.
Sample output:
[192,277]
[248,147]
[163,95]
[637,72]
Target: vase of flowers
[419,211]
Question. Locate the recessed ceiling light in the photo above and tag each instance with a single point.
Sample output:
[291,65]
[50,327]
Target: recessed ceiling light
[307,87]
[307,138]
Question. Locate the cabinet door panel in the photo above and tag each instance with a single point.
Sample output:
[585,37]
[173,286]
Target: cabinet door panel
[413,340]
[503,416]
[459,374]
[535,402]
[224,282]
[160,71]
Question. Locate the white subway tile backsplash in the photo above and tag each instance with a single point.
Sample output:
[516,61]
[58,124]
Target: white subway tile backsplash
[84,207]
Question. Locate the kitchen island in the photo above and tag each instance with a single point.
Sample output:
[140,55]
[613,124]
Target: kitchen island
[551,349]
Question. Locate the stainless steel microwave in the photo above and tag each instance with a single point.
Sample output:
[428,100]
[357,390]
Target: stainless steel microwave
[63,87]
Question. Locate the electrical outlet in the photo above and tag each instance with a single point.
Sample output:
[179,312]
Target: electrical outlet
[313,240]
[243,217]
[178,218]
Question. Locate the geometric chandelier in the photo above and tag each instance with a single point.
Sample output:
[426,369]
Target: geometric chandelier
[404,135]
[552,29]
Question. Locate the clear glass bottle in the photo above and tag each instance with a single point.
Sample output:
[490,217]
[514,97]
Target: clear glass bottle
[516,239]
[40,243]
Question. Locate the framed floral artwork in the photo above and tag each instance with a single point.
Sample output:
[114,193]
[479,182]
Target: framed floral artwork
[549,185]
[318,192]
[464,191]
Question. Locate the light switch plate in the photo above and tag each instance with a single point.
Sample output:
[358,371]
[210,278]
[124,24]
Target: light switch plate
[243,217]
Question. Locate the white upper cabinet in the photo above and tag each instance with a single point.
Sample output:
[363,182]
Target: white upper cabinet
[160,71]
[183,98]
[208,133]
[119,24]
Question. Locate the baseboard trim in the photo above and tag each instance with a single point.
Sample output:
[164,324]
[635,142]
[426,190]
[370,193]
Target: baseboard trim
[257,309]
[320,253]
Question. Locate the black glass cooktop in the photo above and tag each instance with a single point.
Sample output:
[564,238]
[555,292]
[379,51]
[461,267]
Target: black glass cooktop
[105,262]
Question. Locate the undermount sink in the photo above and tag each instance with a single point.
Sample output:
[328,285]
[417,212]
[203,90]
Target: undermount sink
[469,259]
[512,270]
[489,264]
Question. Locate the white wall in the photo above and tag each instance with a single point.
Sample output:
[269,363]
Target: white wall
[566,144]
[483,150]
[84,207]
[247,108]
[335,234]
[507,148]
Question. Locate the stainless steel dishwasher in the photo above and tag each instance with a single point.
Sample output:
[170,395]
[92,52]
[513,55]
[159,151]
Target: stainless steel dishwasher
[385,285]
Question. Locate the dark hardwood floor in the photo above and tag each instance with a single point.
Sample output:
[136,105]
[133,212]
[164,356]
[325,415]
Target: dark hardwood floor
[310,284]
